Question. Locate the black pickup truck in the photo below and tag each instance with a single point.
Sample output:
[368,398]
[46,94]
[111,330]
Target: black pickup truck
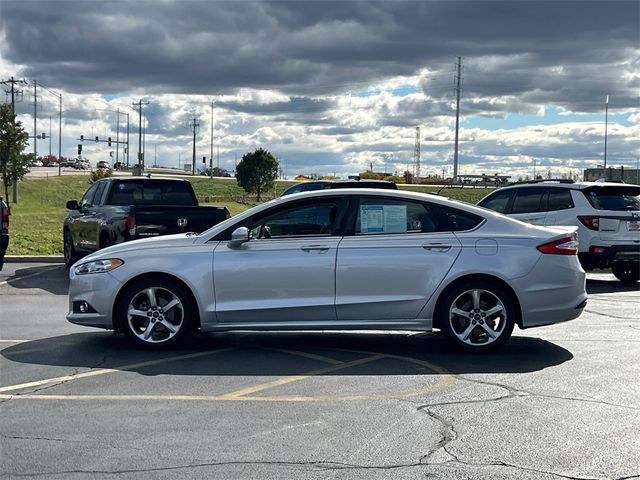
[117,209]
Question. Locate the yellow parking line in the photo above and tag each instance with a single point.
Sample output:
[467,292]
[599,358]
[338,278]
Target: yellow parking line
[312,356]
[104,371]
[295,378]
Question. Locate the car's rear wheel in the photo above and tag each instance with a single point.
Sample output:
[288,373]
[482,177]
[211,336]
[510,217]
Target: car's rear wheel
[155,313]
[626,272]
[70,254]
[477,316]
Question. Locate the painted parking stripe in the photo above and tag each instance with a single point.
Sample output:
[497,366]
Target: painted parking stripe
[295,378]
[104,371]
[313,356]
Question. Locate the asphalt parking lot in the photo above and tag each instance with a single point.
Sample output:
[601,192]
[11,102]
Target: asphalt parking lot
[556,402]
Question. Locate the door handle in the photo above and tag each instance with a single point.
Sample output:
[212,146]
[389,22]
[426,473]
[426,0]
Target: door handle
[315,248]
[438,247]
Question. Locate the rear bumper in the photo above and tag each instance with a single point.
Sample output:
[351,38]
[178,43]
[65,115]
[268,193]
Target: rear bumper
[554,291]
[603,256]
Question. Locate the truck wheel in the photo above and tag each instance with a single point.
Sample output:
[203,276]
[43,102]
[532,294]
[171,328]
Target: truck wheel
[155,313]
[477,316]
[70,254]
[626,272]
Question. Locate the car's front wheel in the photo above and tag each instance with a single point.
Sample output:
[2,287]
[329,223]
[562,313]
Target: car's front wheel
[477,316]
[155,313]
[626,272]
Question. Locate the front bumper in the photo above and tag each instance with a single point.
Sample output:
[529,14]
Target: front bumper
[99,291]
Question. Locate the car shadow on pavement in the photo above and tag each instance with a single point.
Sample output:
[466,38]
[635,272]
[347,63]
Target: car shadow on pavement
[595,286]
[51,278]
[288,353]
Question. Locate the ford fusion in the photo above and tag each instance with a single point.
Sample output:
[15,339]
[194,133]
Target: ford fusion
[343,259]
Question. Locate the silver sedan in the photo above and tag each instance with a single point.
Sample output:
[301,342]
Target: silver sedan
[338,260]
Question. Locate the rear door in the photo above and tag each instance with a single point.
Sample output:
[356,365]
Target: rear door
[397,253]
[529,205]
[560,207]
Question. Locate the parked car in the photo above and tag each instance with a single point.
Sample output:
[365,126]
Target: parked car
[4,230]
[68,163]
[103,164]
[37,163]
[115,210]
[81,164]
[119,166]
[365,259]
[607,215]
[331,184]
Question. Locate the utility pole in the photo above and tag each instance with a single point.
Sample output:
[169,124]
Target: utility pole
[139,106]
[194,125]
[35,118]
[416,154]
[117,135]
[458,88]
[606,123]
[211,145]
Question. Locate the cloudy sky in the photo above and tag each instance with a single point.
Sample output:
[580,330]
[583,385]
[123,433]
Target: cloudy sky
[334,86]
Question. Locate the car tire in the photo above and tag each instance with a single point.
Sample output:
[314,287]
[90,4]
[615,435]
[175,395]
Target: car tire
[70,254]
[143,315]
[477,316]
[626,272]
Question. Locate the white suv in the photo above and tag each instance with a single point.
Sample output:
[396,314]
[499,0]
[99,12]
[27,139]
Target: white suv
[607,216]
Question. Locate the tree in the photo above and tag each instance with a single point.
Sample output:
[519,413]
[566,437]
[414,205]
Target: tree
[13,140]
[257,172]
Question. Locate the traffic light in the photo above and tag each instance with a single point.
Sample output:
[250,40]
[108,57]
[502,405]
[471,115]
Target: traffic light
[79,149]
[97,140]
[109,141]
[204,160]
[82,138]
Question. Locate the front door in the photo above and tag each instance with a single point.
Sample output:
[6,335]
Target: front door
[285,273]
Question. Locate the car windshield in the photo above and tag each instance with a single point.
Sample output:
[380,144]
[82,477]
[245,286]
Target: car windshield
[613,198]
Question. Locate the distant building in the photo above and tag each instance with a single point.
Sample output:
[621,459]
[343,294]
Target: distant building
[626,175]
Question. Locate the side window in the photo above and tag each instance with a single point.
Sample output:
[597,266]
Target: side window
[560,199]
[528,200]
[385,216]
[304,220]
[87,198]
[454,220]
[498,201]
[99,192]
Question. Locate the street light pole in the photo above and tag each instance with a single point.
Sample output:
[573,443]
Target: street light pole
[606,122]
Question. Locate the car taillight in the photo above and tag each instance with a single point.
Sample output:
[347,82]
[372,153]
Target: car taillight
[564,246]
[131,223]
[5,218]
[589,221]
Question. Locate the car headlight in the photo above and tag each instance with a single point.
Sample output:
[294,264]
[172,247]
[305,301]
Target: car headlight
[98,266]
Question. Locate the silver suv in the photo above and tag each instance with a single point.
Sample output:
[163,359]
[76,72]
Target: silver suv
[607,216]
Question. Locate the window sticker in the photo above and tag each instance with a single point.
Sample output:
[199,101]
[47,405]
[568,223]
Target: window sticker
[121,187]
[383,218]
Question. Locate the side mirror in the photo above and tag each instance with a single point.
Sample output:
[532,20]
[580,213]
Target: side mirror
[72,205]
[239,236]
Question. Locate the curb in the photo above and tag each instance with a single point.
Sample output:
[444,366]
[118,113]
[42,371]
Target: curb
[34,259]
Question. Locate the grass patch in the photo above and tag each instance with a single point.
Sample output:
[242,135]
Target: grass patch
[36,221]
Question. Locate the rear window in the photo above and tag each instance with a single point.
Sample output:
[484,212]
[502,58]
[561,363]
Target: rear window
[151,193]
[613,198]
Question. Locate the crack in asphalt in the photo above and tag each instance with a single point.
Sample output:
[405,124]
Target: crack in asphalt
[606,314]
[320,465]
[515,392]
[17,437]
